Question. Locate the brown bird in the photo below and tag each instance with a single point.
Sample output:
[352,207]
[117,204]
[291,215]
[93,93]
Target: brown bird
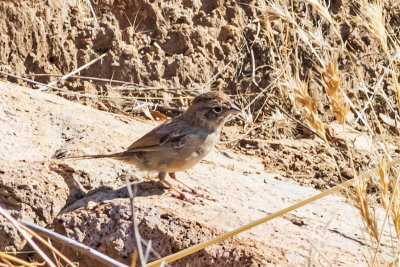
[180,143]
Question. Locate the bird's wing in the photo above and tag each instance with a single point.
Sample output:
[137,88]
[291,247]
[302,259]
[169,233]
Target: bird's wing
[165,136]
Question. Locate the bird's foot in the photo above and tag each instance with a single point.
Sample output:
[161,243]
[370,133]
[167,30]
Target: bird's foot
[189,189]
[179,194]
[195,193]
[183,197]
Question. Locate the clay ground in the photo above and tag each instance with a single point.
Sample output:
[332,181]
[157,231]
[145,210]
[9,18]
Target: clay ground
[156,56]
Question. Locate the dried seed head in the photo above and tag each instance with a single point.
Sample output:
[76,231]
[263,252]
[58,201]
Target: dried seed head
[332,82]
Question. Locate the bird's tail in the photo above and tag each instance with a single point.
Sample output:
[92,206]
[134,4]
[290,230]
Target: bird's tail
[114,155]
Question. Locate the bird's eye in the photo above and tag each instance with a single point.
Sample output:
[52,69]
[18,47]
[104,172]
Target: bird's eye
[217,109]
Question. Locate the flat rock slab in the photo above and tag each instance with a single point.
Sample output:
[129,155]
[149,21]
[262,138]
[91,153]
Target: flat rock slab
[87,199]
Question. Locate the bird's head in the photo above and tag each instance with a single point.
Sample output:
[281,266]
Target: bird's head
[210,110]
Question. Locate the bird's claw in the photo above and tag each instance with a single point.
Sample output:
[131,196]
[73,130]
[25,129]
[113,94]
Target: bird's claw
[195,193]
[182,196]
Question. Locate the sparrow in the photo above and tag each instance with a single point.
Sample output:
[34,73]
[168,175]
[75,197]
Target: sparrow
[180,143]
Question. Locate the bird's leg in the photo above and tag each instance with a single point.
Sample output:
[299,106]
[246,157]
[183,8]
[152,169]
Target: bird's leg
[192,191]
[161,176]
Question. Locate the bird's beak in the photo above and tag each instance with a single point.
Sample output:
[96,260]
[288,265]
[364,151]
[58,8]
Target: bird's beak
[235,108]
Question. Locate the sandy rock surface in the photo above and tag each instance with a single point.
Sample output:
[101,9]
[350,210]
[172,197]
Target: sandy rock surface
[87,199]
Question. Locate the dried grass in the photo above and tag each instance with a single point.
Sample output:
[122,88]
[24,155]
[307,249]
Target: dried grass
[273,11]
[395,207]
[383,184]
[373,18]
[321,9]
[310,107]
[332,81]
[280,126]
[389,196]
[10,260]
[395,82]
[27,237]
[363,204]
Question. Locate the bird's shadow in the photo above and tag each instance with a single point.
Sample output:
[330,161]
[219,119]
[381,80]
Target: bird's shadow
[104,193]
[79,196]
[141,189]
